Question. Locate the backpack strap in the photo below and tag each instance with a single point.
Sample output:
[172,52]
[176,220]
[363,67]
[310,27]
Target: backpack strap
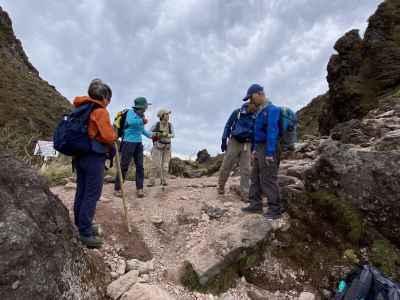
[237,119]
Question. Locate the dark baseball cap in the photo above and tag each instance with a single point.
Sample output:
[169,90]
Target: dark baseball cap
[254,88]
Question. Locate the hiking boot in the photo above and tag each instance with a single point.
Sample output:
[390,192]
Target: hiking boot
[221,190]
[96,230]
[140,193]
[118,194]
[272,216]
[252,210]
[91,242]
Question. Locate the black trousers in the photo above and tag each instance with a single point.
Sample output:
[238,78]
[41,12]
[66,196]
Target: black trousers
[131,151]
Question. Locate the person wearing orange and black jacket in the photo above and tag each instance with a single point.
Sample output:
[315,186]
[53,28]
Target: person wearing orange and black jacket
[90,166]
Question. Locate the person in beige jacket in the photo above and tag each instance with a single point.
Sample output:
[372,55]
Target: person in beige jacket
[163,133]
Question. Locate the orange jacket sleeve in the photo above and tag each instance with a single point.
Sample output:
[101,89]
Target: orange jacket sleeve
[100,127]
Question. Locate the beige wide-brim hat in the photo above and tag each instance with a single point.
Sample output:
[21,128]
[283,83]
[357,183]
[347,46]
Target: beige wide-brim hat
[162,112]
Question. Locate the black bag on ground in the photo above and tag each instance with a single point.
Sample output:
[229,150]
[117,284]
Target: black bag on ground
[367,283]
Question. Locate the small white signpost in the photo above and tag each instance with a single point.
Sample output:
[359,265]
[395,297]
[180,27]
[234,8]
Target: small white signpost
[46,150]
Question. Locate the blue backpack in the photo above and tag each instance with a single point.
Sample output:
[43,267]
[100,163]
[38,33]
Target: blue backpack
[367,283]
[243,128]
[71,135]
[288,128]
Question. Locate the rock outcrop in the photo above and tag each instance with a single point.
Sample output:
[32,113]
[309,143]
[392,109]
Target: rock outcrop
[368,180]
[349,204]
[29,107]
[362,71]
[225,248]
[205,165]
[39,256]
[309,116]
[347,211]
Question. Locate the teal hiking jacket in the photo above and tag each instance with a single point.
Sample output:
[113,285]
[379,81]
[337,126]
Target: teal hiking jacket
[134,128]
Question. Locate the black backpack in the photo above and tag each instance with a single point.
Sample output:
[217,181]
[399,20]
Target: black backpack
[71,135]
[367,283]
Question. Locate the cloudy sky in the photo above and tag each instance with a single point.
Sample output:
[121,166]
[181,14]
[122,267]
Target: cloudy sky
[195,57]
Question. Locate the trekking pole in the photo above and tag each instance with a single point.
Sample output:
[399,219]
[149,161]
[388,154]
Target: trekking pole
[162,171]
[121,181]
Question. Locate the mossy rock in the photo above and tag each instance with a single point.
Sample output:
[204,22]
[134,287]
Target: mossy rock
[386,257]
[227,278]
[351,256]
[340,212]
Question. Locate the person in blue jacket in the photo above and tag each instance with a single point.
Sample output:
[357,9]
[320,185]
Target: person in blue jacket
[132,146]
[236,143]
[265,155]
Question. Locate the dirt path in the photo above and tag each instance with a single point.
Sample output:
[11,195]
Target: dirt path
[166,225]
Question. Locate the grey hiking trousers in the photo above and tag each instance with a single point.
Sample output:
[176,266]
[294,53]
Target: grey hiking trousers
[264,181]
[160,158]
[237,152]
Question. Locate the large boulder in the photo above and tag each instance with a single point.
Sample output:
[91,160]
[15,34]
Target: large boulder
[39,256]
[224,248]
[118,287]
[369,180]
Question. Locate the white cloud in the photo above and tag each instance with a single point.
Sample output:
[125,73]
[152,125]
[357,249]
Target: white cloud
[196,57]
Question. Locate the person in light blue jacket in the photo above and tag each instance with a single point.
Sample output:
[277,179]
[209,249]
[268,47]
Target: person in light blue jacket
[132,146]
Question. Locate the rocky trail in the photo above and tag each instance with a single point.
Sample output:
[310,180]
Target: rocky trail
[188,242]
[341,187]
[187,222]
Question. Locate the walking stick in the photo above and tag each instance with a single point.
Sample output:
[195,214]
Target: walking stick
[121,181]
[162,171]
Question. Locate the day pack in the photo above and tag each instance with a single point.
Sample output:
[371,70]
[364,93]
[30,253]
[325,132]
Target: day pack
[243,128]
[367,283]
[119,122]
[288,128]
[71,135]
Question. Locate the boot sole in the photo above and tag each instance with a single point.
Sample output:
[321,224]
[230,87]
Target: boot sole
[92,245]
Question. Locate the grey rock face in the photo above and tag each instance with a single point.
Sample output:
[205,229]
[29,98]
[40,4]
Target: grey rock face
[227,246]
[37,245]
[369,179]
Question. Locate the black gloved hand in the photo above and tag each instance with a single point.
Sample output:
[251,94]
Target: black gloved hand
[224,145]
